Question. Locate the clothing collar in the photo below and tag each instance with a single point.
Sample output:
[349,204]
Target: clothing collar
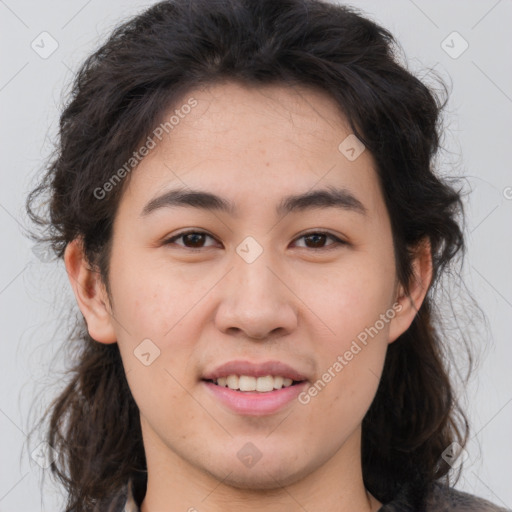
[130,505]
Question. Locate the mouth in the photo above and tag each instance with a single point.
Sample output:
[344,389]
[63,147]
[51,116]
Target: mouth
[254,389]
[249,383]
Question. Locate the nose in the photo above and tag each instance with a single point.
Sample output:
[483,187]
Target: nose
[257,301]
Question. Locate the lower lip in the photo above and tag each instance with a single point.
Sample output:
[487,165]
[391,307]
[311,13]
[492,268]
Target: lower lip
[255,403]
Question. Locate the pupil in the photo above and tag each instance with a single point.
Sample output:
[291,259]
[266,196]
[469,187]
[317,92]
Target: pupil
[196,238]
[319,239]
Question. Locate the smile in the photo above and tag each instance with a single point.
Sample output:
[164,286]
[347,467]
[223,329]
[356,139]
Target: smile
[250,383]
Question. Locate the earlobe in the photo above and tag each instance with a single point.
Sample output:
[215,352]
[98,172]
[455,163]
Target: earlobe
[90,294]
[410,302]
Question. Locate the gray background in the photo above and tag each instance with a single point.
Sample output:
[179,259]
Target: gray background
[34,293]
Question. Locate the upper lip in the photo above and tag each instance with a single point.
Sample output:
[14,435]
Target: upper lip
[262,369]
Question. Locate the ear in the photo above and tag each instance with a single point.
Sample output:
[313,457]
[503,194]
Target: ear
[90,294]
[408,304]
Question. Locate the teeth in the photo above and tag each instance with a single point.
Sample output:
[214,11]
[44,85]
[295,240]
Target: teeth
[250,383]
[232,381]
[278,382]
[246,383]
[264,383]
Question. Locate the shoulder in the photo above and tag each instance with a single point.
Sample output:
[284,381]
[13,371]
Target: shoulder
[438,497]
[442,498]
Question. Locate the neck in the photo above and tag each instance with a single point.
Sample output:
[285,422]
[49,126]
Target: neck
[336,485]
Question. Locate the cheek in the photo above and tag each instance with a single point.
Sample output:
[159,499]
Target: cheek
[156,313]
[349,299]
[349,375]
[352,348]
[163,404]
[149,299]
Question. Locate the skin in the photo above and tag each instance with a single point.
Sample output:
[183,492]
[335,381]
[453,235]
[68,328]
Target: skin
[294,303]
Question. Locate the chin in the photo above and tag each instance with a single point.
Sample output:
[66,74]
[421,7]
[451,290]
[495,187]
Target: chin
[263,476]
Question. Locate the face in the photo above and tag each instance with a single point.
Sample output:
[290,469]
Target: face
[289,276]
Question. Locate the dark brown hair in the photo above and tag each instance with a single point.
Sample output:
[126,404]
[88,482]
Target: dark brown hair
[117,99]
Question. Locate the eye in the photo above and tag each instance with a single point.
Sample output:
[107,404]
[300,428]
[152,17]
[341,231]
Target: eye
[316,240]
[191,239]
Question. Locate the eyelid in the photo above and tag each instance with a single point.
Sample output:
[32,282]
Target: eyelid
[188,232]
[337,240]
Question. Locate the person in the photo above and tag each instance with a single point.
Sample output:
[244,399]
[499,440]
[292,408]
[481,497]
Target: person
[246,203]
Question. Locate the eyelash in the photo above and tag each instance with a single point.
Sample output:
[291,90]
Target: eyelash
[337,241]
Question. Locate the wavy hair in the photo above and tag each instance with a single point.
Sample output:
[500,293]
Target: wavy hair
[118,97]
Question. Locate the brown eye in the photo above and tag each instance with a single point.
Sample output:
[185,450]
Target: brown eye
[317,240]
[190,239]
[193,239]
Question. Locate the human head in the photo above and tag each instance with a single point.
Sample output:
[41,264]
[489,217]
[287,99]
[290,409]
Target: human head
[121,96]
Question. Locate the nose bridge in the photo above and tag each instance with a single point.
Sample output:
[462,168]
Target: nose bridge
[251,262]
[255,280]
[255,300]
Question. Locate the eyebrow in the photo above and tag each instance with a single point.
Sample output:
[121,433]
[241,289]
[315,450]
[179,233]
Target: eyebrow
[330,197]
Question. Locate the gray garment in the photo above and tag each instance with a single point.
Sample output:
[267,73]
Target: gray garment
[441,498]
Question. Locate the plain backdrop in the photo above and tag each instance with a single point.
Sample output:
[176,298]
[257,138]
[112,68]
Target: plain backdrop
[467,42]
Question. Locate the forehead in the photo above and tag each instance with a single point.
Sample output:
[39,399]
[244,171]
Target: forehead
[254,144]
[268,119]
